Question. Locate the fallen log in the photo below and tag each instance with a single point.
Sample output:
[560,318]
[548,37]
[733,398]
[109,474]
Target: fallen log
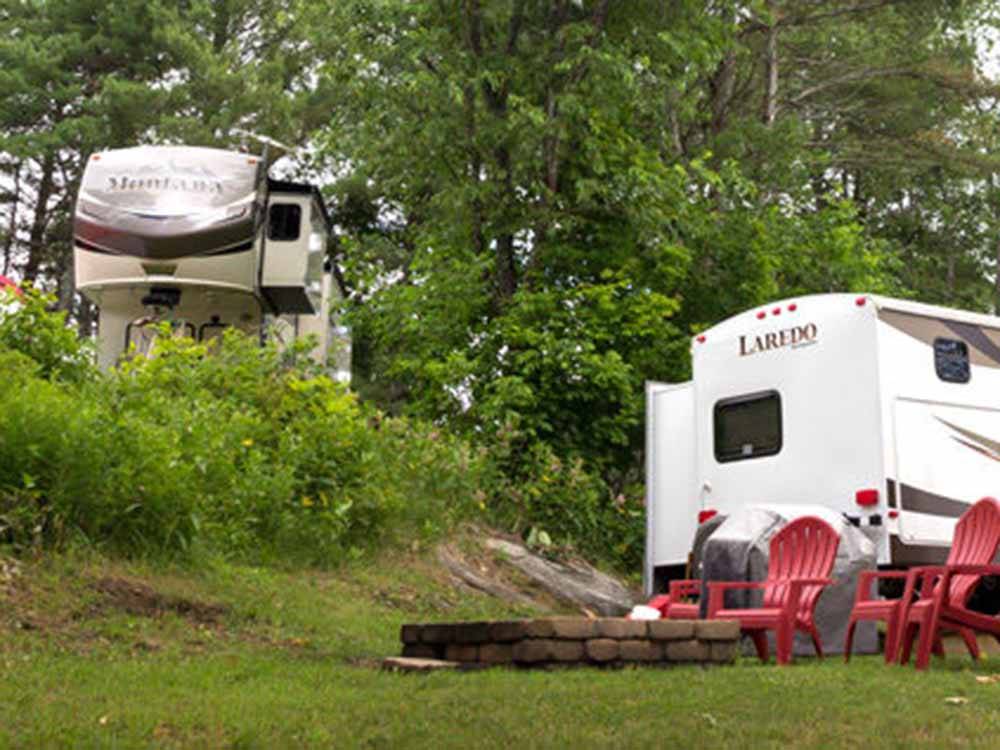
[576,582]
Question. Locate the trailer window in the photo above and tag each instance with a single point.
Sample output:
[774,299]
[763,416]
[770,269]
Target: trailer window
[284,221]
[748,426]
[951,360]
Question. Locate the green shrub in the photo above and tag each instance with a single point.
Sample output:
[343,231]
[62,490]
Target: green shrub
[48,459]
[251,452]
[246,451]
[558,502]
[29,326]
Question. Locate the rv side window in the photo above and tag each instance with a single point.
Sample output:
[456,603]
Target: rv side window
[951,360]
[284,221]
[748,426]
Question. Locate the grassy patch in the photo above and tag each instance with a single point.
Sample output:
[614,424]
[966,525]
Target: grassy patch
[253,657]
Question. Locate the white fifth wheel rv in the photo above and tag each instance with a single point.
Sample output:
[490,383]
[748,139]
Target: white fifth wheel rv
[204,239]
[883,410]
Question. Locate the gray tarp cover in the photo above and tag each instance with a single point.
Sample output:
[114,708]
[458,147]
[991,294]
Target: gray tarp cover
[737,550]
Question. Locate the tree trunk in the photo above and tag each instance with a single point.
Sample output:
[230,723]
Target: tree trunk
[36,238]
[221,20]
[996,280]
[505,274]
[475,168]
[770,109]
[66,288]
[506,269]
[8,247]
[722,85]
[995,191]
[86,318]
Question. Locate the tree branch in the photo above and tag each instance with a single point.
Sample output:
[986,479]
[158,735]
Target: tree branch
[854,75]
[808,18]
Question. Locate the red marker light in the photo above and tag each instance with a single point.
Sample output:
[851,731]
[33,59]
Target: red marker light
[761,315]
[704,515]
[860,302]
[776,311]
[866,498]
[96,157]
[893,514]
[700,339]
[793,307]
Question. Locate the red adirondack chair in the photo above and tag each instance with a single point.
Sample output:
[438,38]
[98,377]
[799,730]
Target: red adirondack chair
[677,603]
[977,535]
[945,590]
[799,565]
[680,608]
[940,613]
[673,605]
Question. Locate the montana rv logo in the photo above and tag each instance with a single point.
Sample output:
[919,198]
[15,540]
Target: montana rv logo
[794,337]
[163,184]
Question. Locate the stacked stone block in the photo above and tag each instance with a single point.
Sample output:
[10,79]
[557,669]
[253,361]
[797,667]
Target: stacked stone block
[574,640]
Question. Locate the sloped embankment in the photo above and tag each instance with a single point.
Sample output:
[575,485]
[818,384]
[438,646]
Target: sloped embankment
[353,613]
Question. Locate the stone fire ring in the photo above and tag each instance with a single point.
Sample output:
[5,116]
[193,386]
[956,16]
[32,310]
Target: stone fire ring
[565,641]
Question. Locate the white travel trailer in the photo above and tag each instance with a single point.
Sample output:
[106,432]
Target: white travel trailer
[204,239]
[883,410]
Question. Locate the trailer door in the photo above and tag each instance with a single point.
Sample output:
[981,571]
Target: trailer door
[672,500]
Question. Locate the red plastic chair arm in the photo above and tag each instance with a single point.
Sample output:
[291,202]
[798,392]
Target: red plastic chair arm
[979,570]
[863,593]
[927,570]
[717,591]
[684,588]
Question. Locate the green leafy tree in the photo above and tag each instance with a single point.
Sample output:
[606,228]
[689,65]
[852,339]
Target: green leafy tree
[877,103]
[529,238]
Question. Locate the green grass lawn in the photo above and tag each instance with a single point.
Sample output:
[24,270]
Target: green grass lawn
[292,662]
